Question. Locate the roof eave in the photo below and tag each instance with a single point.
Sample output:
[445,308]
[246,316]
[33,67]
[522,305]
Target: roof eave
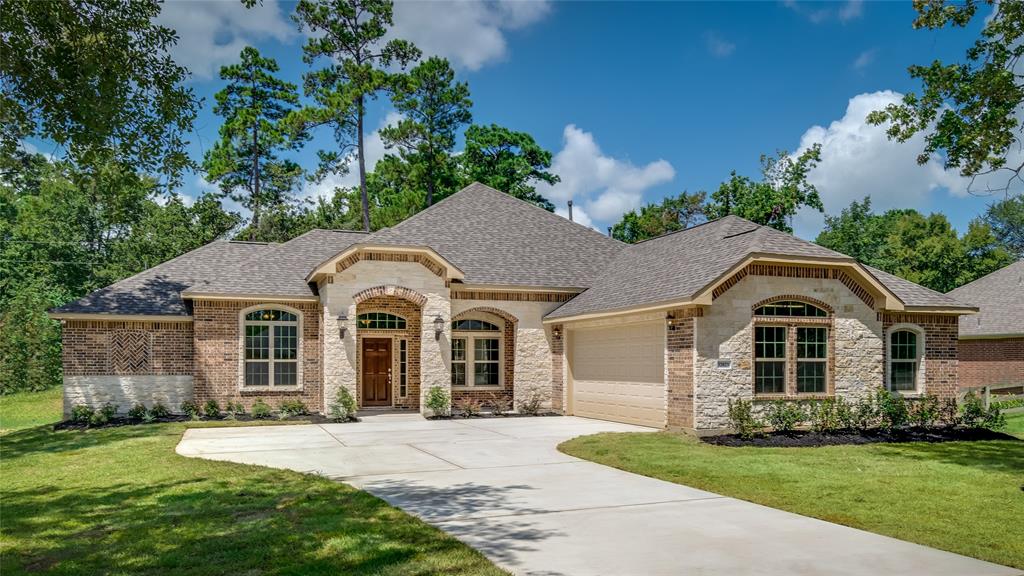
[189,295]
[452,271]
[102,316]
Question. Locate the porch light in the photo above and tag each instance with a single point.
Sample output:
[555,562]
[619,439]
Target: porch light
[342,318]
[671,319]
[438,327]
[556,331]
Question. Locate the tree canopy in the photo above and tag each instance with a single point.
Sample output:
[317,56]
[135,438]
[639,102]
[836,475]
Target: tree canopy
[671,214]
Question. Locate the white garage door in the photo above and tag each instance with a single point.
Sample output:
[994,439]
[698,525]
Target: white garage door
[618,373]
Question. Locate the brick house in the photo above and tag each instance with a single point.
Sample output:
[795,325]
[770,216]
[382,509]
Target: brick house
[488,296]
[992,341]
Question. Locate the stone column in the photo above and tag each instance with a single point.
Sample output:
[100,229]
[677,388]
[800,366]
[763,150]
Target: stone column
[435,354]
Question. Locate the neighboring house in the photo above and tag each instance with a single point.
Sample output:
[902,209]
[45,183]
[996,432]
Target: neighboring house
[992,341]
[485,295]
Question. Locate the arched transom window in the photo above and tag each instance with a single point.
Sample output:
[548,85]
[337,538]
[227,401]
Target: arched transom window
[380,321]
[790,348]
[476,353]
[790,308]
[271,348]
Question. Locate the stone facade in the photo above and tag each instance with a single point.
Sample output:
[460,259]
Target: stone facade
[127,391]
[988,362]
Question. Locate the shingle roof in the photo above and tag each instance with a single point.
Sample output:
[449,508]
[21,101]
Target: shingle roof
[497,239]
[281,270]
[914,294]
[157,291]
[1000,297]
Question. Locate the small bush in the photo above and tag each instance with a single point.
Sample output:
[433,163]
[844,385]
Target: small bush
[924,412]
[233,409]
[98,418]
[81,413]
[499,404]
[533,401]
[973,414]
[742,419]
[191,409]
[344,407]
[785,416]
[261,410]
[825,416]
[468,407]
[892,409]
[158,410]
[949,413]
[294,408]
[863,415]
[137,413]
[211,409]
[439,401]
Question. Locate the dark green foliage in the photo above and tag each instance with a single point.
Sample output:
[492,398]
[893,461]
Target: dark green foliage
[827,416]
[158,410]
[973,413]
[742,419]
[439,401]
[81,413]
[137,413]
[30,357]
[671,214]
[508,161]
[103,415]
[191,409]
[233,409]
[293,408]
[260,409]
[863,415]
[784,416]
[344,406]
[1006,220]
[892,409]
[211,409]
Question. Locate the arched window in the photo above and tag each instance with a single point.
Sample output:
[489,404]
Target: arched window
[790,308]
[790,343]
[904,358]
[271,348]
[380,321]
[476,353]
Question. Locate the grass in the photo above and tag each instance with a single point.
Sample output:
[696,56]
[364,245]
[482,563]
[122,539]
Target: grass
[1015,424]
[956,496]
[27,409]
[120,501]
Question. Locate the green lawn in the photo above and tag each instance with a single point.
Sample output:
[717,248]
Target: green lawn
[1015,424]
[120,501]
[26,409]
[964,497]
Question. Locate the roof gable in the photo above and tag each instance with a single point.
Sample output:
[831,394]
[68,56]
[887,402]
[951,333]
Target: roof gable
[1000,299]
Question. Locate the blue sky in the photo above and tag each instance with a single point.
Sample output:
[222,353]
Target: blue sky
[641,100]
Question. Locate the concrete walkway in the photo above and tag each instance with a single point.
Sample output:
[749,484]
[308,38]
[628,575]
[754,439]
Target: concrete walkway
[501,486]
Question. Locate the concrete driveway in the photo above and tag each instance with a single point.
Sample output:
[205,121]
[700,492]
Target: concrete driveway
[501,486]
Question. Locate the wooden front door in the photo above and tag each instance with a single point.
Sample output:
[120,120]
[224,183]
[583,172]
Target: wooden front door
[376,371]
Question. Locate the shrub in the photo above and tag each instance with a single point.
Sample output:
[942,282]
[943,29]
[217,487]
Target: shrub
[81,413]
[158,410]
[949,413]
[499,404]
[742,419]
[439,401]
[785,416]
[468,407]
[232,409]
[137,413]
[260,409]
[533,401]
[99,418]
[892,409]
[211,409]
[973,414]
[825,415]
[344,406]
[294,407]
[191,409]
[924,412]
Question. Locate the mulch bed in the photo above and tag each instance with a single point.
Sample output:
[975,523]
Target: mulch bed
[121,421]
[803,438]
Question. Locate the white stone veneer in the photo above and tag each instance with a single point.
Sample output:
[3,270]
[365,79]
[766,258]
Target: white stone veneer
[126,391]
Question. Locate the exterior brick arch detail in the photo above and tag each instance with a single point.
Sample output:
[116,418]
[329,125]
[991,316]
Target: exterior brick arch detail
[783,297]
[509,358]
[390,290]
[489,310]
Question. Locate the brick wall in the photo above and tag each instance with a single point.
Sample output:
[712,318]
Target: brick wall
[679,364]
[218,350]
[940,348]
[99,347]
[558,368]
[508,357]
[985,362]
[413,319]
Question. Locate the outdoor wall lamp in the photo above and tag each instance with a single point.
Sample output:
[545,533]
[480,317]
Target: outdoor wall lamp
[342,318]
[438,327]
[556,331]
[671,319]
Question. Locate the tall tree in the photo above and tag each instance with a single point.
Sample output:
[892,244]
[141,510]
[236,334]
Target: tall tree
[1006,219]
[349,34]
[509,161]
[858,232]
[970,111]
[95,77]
[774,200]
[244,162]
[434,106]
[671,214]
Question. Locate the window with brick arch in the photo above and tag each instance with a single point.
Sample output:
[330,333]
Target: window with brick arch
[476,353]
[791,341]
[271,348]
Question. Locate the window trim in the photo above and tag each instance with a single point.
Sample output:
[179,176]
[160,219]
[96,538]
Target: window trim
[403,367]
[784,360]
[792,324]
[919,374]
[298,323]
[470,336]
[811,360]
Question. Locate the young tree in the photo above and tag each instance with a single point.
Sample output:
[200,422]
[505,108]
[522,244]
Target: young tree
[1006,219]
[508,161]
[671,214]
[970,111]
[433,107]
[96,78]
[774,200]
[349,34]
[244,162]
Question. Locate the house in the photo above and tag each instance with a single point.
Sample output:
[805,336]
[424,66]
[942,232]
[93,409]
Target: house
[992,341]
[491,297]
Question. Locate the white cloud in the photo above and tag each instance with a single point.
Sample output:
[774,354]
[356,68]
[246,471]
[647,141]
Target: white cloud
[864,59]
[213,33]
[375,150]
[579,215]
[849,10]
[604,187]
[852,10]
[718,47]
[470,33]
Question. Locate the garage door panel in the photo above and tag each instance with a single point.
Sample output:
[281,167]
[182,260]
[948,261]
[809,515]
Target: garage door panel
[618,373]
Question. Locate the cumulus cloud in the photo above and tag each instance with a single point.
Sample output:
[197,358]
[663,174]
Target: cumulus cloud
[604,187]
[858,159]
[718,47]
[847,11]
[471,34]
[213,33]
[375,150]
[579,215]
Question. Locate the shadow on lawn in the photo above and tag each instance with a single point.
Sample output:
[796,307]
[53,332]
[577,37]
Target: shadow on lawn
[996,456]
[46,439]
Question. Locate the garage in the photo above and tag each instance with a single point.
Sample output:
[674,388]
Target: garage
[618,373]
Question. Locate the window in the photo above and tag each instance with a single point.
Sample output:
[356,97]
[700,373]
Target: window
[380,321]
[811,359]
[476,353]
[403,368]
[903,360]
[769,359]
[271,348]
[790,308]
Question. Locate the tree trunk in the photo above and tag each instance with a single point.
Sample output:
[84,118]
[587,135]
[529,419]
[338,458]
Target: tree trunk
[362,167]
[430,184]
[255,185]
